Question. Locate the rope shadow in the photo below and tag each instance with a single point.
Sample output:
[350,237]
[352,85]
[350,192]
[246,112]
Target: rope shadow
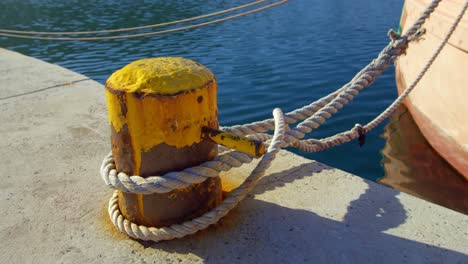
[277,180]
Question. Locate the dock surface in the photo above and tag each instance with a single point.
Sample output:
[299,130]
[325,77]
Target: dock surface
[55,133]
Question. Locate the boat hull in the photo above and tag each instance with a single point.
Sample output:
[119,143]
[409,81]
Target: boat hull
[439,104]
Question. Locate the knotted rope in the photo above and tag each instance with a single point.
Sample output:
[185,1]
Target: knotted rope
[312,116]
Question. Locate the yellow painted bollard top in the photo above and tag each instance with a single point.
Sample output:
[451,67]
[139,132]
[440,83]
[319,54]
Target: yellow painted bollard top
[165,76]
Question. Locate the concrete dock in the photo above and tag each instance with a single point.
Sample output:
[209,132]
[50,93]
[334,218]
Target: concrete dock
[55,133]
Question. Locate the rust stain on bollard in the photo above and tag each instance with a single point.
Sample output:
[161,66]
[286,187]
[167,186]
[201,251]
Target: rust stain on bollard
[157,108]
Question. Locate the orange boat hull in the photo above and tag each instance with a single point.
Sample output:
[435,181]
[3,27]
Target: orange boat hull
[439,104]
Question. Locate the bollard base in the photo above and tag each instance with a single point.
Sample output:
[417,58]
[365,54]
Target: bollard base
[175,207]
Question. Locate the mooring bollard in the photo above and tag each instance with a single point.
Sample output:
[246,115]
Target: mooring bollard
[157,108]
[163,116]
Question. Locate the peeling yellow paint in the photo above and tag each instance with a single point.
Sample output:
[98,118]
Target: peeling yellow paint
[175,118]
[116,118]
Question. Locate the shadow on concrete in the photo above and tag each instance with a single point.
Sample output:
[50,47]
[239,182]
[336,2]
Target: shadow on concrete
[277,180]
[264,232]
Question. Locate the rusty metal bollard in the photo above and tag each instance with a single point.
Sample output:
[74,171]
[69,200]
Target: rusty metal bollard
[163,117]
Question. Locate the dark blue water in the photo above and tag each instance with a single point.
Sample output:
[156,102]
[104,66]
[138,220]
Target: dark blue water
[284,57]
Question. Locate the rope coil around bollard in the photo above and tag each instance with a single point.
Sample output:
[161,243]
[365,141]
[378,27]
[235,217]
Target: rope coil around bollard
[312,116]
[211,217]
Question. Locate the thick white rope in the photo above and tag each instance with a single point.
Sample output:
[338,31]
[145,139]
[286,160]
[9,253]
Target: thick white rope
[333,101]
[153,33]
[211,217]
[394,49]
[313,145]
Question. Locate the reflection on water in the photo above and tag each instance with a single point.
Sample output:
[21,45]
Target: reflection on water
[413,166]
